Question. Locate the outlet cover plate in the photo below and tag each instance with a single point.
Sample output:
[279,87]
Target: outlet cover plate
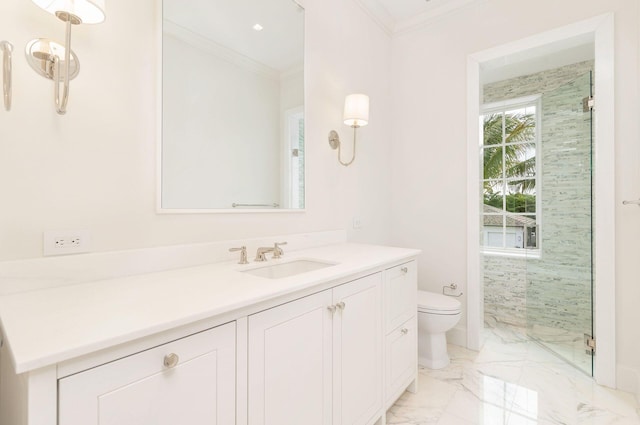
[64,242]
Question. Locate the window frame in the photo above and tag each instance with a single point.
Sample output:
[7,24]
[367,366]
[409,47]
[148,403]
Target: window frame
[502,107]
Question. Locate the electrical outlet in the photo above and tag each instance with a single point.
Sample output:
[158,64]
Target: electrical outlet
[357,223]
[65,242]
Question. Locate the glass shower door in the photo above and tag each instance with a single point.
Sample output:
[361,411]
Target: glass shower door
[560,280]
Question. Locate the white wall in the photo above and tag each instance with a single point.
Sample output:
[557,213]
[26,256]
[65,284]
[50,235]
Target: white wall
[95,168]
[291,90]
[429,156]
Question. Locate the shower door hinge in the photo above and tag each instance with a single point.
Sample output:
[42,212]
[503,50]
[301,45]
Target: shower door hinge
[588,103]
[590,344]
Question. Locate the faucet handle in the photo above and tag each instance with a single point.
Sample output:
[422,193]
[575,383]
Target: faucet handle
[243,254]
[277,251]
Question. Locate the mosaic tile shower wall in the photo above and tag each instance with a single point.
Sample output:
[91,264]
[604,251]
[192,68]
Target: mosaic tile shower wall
[554,290]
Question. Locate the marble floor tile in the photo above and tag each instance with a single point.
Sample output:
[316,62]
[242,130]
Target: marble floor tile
[567,344]
[450,419]
[511,381]
[424,407]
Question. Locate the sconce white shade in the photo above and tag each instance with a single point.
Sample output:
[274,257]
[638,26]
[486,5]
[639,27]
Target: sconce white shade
[89,11]
[356,110]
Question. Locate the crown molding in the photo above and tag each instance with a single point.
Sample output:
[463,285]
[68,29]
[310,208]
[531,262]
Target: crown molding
[421,20]
[392,27]
[378,14]
[222,52]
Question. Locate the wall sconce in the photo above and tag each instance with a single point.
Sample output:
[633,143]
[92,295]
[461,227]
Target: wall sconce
[7,65]
[356,114]
[46,56]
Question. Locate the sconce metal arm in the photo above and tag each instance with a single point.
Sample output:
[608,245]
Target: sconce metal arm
[61,104]
[7,48]
[334,141]
[46,57]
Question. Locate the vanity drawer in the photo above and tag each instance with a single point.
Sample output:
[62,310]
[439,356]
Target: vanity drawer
[400,294]
[401,357]
[191,381]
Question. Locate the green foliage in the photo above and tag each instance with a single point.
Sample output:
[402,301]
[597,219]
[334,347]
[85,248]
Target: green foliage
[516,202]
[518,128]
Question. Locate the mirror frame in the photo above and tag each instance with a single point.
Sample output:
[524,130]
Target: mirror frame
[159,136]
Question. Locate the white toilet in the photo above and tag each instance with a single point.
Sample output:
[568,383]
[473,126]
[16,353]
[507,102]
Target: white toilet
[436,315]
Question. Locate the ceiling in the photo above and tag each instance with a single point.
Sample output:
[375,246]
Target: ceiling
[399,15]
[229,23]
[405,9]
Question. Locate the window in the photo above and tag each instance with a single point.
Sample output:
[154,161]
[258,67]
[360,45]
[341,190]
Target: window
[510,144]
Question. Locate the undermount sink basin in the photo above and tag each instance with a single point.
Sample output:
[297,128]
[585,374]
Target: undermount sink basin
[291,268]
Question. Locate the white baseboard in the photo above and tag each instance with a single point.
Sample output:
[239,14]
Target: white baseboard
[457,336]
[628,380]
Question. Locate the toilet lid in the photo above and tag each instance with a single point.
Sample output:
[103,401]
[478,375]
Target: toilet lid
[431,302]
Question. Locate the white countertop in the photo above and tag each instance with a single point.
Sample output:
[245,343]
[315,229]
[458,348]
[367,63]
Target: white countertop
[46,327]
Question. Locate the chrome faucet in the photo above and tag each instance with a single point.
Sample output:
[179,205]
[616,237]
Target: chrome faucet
[277,251]
[243,254]
[261,251]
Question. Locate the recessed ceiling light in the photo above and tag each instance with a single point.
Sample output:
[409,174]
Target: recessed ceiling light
[258,27]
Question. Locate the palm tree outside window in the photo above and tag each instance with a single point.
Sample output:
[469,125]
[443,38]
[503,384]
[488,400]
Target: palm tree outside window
[510,145]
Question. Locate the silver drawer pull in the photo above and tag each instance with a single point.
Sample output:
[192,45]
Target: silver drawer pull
[404,270]
[340,305]
[404,331]
[171,360]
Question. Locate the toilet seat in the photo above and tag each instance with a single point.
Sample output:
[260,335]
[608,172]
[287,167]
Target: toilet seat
[430,302]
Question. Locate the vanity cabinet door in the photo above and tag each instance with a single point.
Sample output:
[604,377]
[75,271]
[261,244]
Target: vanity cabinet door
[289,352]
[400,294]
[357,351]
[401,359]
[188,381]
[318,360]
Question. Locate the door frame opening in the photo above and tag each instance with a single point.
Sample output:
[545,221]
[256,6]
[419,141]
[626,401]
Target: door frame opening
[602,29]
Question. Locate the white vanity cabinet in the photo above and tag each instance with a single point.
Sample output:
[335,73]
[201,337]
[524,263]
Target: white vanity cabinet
[188,381]
[212,345]
[401,327]
[318,360]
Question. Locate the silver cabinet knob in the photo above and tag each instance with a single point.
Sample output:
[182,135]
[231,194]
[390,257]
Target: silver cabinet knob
[340,305]
[331,308]
[404,331]
[171,360]
[404,270]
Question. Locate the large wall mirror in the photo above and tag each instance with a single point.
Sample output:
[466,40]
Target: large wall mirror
[232,105]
